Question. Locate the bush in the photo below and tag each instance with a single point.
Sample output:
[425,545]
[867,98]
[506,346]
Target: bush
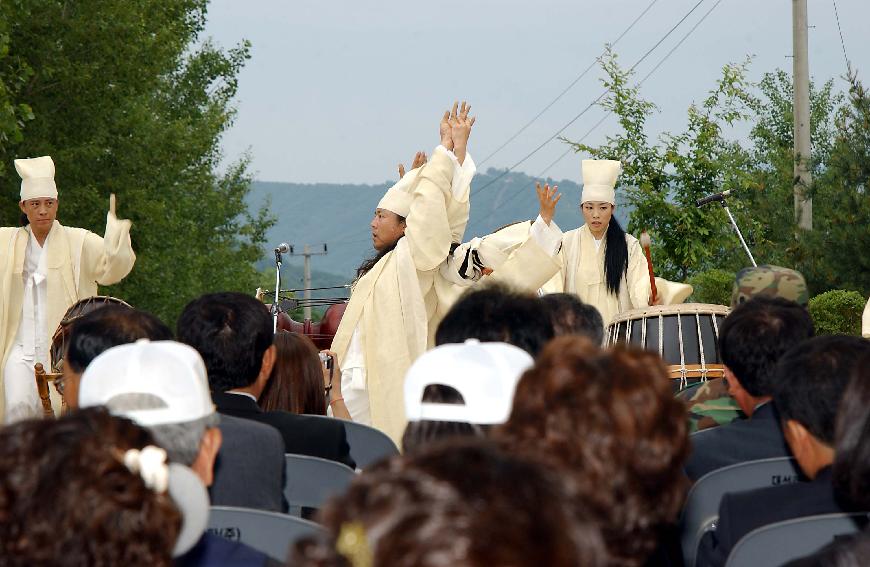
[837,312]
[713,286]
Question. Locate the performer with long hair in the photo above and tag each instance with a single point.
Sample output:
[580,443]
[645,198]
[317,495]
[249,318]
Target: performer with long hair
[602,264]
[386,324]
[46,267]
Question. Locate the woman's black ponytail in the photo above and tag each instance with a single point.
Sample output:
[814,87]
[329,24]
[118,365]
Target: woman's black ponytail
[615,256]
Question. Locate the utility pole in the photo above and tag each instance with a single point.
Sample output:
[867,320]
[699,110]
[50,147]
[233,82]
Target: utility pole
[803,204]
[306,292]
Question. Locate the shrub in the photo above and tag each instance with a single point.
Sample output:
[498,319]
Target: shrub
[713,286]
[837,312]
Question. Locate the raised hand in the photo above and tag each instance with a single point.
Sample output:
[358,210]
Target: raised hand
[444,130]
[419,160]
[548,198]
[460,128]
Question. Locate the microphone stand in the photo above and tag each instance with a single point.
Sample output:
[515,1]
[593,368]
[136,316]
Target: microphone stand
[737,230]
[276,306]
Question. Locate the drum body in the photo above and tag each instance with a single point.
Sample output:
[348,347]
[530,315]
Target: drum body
[77,310]
[684,335]
[320,333]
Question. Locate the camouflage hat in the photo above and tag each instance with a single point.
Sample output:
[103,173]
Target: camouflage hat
[774,281]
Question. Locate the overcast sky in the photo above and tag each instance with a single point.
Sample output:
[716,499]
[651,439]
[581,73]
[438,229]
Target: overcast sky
[340,91]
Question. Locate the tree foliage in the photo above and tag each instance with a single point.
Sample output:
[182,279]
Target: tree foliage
[662,178]
[128,99]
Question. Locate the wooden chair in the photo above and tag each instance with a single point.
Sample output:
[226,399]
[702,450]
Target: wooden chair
[42,380]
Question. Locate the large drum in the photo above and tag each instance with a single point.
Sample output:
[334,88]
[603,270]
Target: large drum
[685,336]
[77,310]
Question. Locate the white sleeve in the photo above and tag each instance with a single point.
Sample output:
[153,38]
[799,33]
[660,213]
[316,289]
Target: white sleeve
[462,174]
[548,237]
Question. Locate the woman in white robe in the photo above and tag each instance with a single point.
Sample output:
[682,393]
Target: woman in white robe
[47,267]
[602,264]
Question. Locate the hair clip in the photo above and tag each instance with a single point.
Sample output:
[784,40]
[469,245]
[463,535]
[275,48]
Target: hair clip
[353,544]
[150,464]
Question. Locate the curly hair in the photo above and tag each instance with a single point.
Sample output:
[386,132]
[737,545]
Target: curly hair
[66,497]
[296,382]
[448,504]
[609,420]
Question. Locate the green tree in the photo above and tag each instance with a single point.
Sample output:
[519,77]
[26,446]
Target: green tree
[128,99]
[663,178]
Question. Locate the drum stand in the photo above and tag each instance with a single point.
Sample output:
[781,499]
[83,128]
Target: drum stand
[737,230]
[276,306]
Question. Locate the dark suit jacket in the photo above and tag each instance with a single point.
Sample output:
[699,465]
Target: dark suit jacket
[759,437]
[303,435]
[213,550]
[249,470]
[742,512]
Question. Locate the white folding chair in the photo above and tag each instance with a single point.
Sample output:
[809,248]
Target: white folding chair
[702,504]
[775,544]
[268,532]
[311,481]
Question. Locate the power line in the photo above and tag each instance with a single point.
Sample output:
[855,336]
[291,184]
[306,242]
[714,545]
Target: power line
[569,87]
[641,82]
[842,41]
[606,116]
[591,104]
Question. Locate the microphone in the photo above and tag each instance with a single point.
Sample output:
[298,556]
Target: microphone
[711,198]
[283,248]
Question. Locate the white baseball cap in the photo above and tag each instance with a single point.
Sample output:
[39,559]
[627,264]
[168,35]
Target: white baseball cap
[170,371]
[485,374]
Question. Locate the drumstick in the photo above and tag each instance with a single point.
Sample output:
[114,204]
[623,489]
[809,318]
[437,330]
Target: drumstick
[645,242]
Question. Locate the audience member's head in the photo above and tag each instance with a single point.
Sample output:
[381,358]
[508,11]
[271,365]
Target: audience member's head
[296,383]
[161,386]
[808,386]
[463,503]
[852,440]
[233,333]
[495,313]
[100,330]
[769,281]
[609,420]
[570,316]
[460,390]
[753,337]
[67,497]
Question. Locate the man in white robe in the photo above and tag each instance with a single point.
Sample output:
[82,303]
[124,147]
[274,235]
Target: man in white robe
[386,324]
[47,267]
[583,249]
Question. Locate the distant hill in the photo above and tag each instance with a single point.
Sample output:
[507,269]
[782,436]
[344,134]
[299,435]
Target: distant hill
[339,216]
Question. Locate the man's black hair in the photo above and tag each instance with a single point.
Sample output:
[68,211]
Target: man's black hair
[107,327]
[497,313]
[570,316]
[231,331]
[756,334]
[810,380]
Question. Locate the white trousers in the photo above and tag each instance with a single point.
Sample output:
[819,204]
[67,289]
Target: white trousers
[356,399]
[19,381]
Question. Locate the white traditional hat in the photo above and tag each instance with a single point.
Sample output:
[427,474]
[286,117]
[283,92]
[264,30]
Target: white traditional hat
[37,178]
[170,371]
[398,197]
[599,180]
[484,374]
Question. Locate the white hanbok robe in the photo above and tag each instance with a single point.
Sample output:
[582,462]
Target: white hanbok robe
[387,317]
[38,285]
[582,273]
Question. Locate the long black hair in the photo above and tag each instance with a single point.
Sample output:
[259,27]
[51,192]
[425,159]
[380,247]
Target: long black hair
[615,256]
[369,263]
